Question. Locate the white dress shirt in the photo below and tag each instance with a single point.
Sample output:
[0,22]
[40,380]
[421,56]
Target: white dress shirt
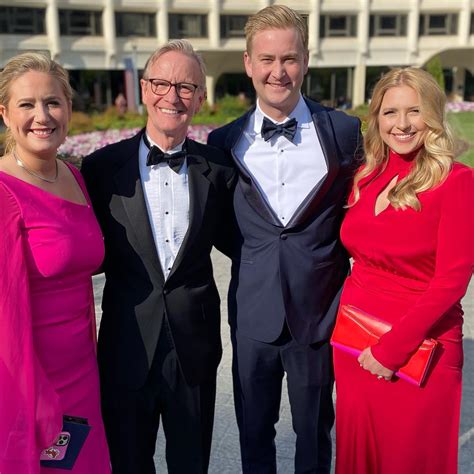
[167,200]
[285,172]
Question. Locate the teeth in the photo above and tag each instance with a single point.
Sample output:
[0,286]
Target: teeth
[170,111]
[404,137]
[42,132]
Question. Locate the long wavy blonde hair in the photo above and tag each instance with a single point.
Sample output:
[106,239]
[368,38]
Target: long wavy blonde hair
[435,158]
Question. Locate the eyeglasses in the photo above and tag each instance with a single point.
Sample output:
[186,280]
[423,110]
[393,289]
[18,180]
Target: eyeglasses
[185,90]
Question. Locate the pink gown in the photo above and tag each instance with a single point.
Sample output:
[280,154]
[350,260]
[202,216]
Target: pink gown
[411,269]
[49,248]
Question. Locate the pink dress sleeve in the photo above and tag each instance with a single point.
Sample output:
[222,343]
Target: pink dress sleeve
[30,415]
[453,270]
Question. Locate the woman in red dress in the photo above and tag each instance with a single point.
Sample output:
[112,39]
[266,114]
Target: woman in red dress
[409,229]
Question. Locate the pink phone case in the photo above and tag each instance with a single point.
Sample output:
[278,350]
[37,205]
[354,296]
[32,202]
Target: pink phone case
[57,451]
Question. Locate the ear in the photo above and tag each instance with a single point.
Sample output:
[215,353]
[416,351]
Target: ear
[306,62]
[248,64]
[144,88]
[201,99]
[4,114]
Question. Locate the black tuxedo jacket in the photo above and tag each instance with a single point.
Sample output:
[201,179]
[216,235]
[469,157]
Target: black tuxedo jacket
[136,296]
[293,272]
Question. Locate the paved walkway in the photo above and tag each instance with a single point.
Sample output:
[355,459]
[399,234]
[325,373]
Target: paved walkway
[225,456]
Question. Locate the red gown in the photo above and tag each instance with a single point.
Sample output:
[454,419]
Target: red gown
[410,268]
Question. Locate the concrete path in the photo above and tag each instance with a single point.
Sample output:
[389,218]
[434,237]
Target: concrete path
[225,456]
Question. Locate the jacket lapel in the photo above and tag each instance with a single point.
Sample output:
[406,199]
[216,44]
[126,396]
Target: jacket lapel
[325,134]
[246,182]
[129,195]
[199,184]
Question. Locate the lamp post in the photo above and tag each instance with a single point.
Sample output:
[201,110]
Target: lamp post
[136,80]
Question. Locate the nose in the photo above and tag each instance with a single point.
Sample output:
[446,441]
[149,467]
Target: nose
[403,122]
[41,113]
[172,95]
[278,70]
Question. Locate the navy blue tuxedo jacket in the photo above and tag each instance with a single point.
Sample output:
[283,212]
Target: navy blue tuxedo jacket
[293,272]
[136,295]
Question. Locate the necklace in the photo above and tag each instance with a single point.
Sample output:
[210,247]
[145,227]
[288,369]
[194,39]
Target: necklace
[32,173]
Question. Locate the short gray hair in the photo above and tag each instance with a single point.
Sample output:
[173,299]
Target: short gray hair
[181,46]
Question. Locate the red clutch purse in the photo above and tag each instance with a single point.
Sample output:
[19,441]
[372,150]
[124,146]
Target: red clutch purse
[356,330]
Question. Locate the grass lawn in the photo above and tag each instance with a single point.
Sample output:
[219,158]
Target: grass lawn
[463,126]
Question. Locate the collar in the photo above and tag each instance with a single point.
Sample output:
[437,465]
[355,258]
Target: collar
[301,113]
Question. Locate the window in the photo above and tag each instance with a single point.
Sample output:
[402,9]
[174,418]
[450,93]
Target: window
[232,26]
[472,24]
[187,26]
[337,26]
[135,24]
[22,21]
[438,24]
[388,25]
[80,23]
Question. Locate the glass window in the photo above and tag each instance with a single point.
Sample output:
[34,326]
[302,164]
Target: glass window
[338,25]
[438,24]
[187,26]
[232,26]
[22,21]
[80,23]
[135,24]
[388,25]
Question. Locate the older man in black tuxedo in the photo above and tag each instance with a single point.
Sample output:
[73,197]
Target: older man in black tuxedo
[162,201]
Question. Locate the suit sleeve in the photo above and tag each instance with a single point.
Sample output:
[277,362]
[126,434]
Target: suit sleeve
[30,415]
[453,270]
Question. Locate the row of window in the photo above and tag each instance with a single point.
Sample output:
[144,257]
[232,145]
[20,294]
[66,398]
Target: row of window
[15,20]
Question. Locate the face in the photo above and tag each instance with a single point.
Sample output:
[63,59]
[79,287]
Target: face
[277,64]
[37,114]
[170,115]
[401,124]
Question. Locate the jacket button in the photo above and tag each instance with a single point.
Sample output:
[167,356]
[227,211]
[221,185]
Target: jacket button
[283,236]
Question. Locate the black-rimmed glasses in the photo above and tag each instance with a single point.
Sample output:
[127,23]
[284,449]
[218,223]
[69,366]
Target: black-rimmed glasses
[185,90]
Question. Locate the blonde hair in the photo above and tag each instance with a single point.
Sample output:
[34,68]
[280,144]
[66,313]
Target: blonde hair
[434,160]
[21,64]
[181,46]
[275,17]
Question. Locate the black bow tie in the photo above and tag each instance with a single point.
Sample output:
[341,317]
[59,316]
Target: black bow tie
[287,129]
[174,160]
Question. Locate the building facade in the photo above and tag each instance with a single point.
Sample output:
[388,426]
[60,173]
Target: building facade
[105,43]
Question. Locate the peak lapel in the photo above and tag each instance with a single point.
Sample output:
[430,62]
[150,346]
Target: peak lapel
[198,169]
[129,197]
[325,134]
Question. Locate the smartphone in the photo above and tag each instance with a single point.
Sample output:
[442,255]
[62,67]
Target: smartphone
[57,450]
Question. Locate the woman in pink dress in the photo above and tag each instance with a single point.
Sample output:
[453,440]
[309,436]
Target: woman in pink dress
[50,245]
[410,231]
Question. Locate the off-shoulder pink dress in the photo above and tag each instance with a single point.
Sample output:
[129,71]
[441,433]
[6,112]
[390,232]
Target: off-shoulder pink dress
[49,248]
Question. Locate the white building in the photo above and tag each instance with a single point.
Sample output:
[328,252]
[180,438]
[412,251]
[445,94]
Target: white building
[350,41]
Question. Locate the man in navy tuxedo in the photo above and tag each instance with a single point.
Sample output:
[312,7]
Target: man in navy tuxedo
[295,159]
[162,200]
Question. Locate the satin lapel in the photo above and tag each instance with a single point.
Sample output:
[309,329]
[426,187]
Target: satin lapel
[246,182]
[129,194]
[325,134]
[199,184]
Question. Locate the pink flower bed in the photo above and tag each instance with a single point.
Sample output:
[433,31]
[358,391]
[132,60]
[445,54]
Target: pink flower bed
[82,145]
[460,106]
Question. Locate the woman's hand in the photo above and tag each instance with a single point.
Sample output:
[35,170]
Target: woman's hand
[368,362]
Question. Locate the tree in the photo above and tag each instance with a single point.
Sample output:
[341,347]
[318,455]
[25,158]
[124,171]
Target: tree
[435,68]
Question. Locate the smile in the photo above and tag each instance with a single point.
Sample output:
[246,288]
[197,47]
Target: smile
[44,132]
[169,111]
[404,137]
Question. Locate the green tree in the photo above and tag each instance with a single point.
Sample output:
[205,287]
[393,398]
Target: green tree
[435,68]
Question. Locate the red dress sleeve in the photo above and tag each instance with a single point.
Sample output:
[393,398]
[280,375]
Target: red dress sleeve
[453,270]
[30,416]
